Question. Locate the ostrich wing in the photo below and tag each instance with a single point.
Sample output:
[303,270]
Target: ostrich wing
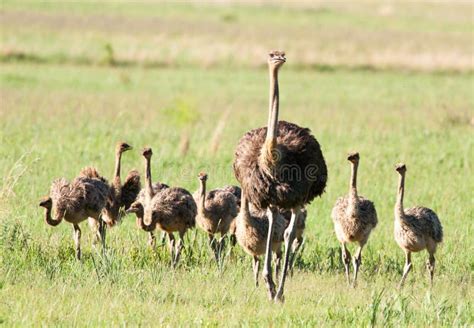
[130,189]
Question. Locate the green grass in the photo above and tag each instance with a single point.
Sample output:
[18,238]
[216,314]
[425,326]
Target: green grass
[436,36]
[61,115]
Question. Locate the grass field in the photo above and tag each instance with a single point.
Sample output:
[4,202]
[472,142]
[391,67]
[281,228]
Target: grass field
[394,82]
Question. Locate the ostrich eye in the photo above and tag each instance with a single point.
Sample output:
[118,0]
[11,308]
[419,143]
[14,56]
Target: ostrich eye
[272,55]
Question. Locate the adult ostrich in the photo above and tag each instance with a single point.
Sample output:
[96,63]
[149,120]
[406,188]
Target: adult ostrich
[280,166]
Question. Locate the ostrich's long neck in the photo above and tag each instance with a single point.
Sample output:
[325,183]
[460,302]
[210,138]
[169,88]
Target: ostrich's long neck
[141,223]
[244,209]
[353,184]
[272,125]
[148,186]
[118,158]
[353,199]
[274,103]
[49,220]
[399,212]
[202,196]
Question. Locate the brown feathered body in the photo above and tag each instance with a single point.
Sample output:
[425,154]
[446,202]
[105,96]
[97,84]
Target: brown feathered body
[218,213]
[418,229]
[252,231]
[92,173]
[172,209]
[298,175]
[157,188]
[236,191]
[121,197]
[82,198]
[354,219]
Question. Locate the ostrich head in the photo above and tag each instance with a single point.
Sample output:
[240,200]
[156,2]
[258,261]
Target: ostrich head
[136,208]
[147,152]
[202,176]
[401,168]
[353,157]
[46,202]
[276,59]
[122,147]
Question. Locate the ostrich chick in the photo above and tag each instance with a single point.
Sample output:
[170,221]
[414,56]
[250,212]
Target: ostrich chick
[354,219]
[217,210]
[172,210]
[121,195]
[252,231]
[75,202]
[416,229]
[157,187]
[237,192]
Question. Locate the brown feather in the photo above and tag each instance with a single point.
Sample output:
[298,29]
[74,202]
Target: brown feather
[299,177]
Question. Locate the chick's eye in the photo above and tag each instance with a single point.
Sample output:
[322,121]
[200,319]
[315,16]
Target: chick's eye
[272,55]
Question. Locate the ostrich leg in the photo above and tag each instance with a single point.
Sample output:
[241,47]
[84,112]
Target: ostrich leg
[171,246]
[163,238]
[431,266]
[290,233]
[278,257]
[267,266]
[356,261]
[77,240]
[407,268]
[213,243]
[94,225]
[296,247]
[179,248]
[220,250]
[102,232]
[151,240]
[346,258]
[256,269]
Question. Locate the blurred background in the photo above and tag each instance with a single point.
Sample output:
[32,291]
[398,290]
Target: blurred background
[415,35]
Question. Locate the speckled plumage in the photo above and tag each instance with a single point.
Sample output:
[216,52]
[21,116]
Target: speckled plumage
[416,229]
[157,188]
[217,210]
[354,218]
[419,229]
[172,209]
[84,198]
[91,173]
[236,191]
[356,225]
[252,231]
